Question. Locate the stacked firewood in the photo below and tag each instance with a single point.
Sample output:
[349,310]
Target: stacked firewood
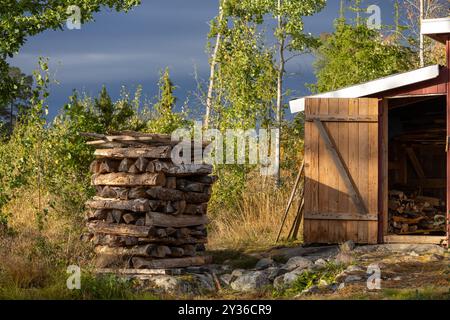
[148,212]
[415,214]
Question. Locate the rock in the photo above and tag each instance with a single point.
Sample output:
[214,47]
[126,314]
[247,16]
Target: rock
[404,248]
[320,263]
[347,246]
[354,268]
[323,283]
[191,284]
[311,290]
[264,264]
[288,279]
[237,273]
[297,263]
[413,254]
[352,278]
[250,281]
[341,286]
[344,258]
[273,272]
[226,279]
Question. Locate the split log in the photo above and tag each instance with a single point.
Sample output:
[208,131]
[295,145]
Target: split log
[176,252]
[129,180]
[133,169]
[106,239]
[165,220]
[141,263]
[165,194]
[158,152]
[141,164]
[182,233]
[110,218]
[195,209]
[96,214]
[120,229]
[129,218]
[171,182]
[407,220]
[95,166]
[194,197]
[108,166]
[137,205]
[117,215]
[171,241]
[204,179]
[138,192]
[160,251]
[125,165]
[189,250]
[114,192]
[179,207]
[142,251]
[190,169]
[140,222]
[190,186]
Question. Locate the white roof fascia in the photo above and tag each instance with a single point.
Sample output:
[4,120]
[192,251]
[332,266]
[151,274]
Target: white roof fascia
[435,26]
[372,87]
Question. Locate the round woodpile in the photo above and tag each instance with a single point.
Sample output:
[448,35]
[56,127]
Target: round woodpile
[148,212]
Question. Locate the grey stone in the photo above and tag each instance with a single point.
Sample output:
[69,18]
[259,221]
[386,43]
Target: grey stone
[193,284]
[347,246]
[352,278]
[323,283]
[344,258]
[296,263]
[250,281]
[320,262]
[264,264]
[311,290]
[354,268]
[403,248]
[341,286]
[273,272]
[237,273]
[226,279]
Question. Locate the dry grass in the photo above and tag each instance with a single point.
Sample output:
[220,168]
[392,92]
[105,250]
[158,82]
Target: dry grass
[37,243]
[255,221]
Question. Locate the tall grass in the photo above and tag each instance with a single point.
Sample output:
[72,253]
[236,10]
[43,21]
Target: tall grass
[256,218]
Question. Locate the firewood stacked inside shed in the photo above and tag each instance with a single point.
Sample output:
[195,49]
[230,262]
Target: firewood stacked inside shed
[148,213]
[412,214]
[417,166]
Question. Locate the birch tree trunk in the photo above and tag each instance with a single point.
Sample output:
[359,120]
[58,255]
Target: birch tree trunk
[279,106]
[209,96]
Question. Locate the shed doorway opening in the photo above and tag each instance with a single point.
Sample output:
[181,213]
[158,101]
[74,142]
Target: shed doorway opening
[417,175]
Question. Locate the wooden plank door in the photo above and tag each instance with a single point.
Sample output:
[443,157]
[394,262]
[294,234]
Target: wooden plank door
[341,170]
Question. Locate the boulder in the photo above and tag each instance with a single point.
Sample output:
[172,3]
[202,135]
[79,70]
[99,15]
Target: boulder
[347,246]
[320,263]
[264,264]
[250,281]
[297,263]
[288,279]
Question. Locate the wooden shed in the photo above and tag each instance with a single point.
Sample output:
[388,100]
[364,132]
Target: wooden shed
[376,157]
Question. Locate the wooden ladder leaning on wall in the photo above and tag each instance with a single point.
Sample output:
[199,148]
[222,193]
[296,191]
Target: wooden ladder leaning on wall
[293,231]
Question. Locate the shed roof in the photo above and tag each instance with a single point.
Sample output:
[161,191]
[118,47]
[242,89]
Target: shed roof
[373,87]
[437,29]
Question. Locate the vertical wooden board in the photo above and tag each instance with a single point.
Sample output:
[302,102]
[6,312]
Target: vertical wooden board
[385,167]
[353,160]
[324,164]
[333,173]
[343,142]
[363,166]
[373,172]
[312,204]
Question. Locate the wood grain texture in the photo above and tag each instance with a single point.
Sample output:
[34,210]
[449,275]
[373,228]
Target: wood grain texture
[331,214]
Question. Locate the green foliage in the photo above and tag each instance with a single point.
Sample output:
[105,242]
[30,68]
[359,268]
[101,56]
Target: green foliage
[357,54]
[310,278]
[164,119]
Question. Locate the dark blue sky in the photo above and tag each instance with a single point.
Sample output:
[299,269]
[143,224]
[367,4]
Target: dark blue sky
[131,48]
